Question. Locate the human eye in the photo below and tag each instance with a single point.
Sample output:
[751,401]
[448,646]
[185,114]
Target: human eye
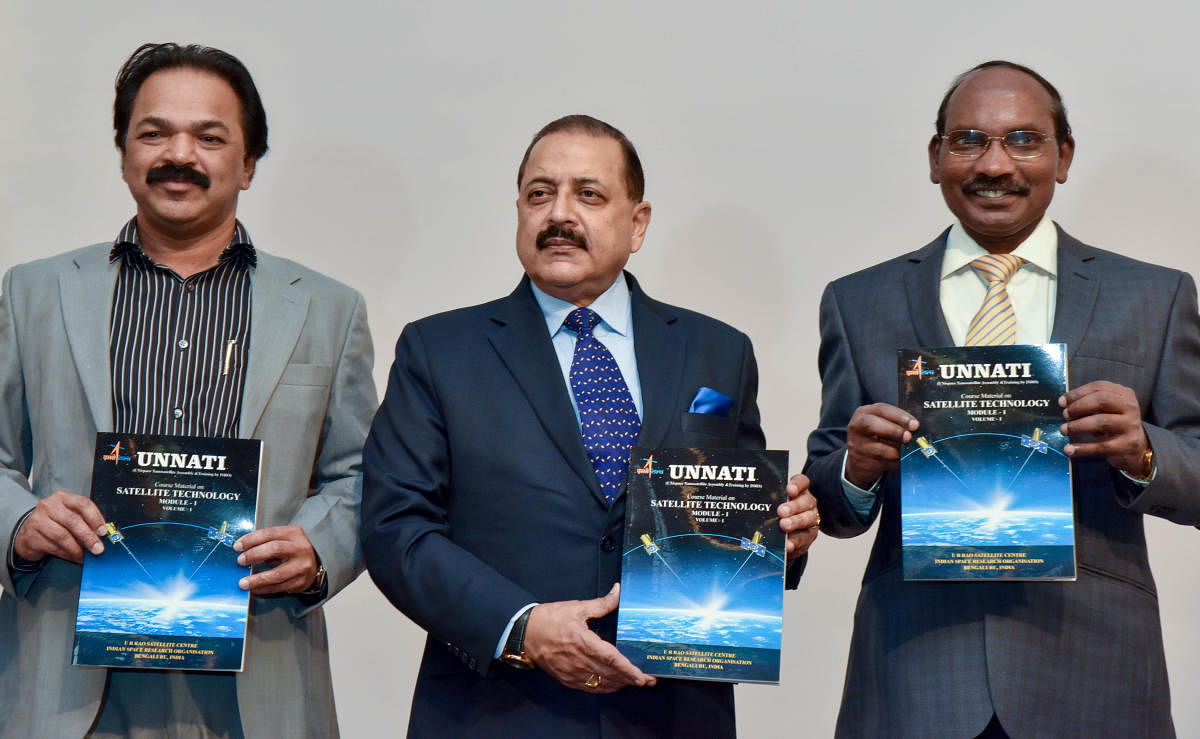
[968,138]
[1023,138]
[149,135]
[537,195]
[967,142]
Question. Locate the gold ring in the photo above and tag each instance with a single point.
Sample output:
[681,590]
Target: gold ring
[593,680]
[818,523]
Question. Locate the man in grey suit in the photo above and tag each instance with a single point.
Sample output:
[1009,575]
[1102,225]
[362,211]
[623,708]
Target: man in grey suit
[180,326]
[962,659]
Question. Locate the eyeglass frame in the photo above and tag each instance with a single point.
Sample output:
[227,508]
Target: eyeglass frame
[1003,144]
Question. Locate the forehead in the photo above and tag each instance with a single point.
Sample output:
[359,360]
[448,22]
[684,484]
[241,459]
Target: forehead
[188,94]
[570,155]
[998,100]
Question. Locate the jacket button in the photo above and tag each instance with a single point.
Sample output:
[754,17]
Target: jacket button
[607,544]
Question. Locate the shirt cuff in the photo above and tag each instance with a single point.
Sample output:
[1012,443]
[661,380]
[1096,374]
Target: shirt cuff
[1142,483]
[860,500]
[508,630]
[16,565]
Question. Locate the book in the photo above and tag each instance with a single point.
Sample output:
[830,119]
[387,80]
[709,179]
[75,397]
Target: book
[164,593]
[985,488]
[702,568]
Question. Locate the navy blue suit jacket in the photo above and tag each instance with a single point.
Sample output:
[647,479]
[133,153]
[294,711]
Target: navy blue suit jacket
[1078,658]
[479,498]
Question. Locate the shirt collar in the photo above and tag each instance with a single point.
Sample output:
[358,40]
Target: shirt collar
[613,306]
[127,247]
[1039,249]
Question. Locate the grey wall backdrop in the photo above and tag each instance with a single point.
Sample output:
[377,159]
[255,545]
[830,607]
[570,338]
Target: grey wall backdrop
[784,144]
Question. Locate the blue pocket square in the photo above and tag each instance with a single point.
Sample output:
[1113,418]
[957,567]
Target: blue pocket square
[711,403]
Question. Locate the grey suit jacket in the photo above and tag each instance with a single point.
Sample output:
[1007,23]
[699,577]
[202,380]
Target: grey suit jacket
[1079,658]
[308,395]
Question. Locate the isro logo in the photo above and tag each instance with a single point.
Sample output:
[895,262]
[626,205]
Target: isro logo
[648,468]
[115,455]
[918,369]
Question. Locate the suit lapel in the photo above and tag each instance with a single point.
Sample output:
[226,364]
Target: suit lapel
[922,286]
[277,313]
[86,293]
[518,334]
[660,359]
[1078,286]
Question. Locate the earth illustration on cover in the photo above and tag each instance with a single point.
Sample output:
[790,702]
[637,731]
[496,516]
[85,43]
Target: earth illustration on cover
[702,589]
[165,578]
[986,489]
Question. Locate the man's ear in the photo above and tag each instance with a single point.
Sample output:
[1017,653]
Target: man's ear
[1066,154]
[248,165]
[641,221]
[935,164]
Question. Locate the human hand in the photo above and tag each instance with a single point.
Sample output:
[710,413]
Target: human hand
[798,517]
[558,640]
[873,439]
[61,525]
[290,555]
[1108,416]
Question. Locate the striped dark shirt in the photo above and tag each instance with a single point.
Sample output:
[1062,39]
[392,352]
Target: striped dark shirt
[179,346]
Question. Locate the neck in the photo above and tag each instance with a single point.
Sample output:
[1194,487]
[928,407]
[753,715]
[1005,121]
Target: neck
[581,295]
[1002,244]
[186,254]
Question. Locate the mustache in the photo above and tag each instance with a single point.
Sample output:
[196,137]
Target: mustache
[984,182]
[558,232]
[177,173]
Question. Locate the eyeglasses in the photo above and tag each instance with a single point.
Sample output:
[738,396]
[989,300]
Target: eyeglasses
[1018,144]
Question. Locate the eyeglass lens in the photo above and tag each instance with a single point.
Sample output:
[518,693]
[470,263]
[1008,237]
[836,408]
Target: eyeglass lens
[1018,144]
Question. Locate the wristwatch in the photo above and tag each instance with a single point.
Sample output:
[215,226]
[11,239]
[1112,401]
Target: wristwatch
[514,649]
[318,583]
[1147,466]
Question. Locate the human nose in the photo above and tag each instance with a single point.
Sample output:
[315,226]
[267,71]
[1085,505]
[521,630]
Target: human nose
[562,209]
[181,149]
[995,159]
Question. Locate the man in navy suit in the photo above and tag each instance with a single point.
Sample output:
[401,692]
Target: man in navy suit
[961,659]
[488,517]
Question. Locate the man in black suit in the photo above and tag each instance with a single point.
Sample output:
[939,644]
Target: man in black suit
[494,519]
[954,659]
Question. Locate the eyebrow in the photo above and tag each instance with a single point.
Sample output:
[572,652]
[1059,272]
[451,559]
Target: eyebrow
[207,125]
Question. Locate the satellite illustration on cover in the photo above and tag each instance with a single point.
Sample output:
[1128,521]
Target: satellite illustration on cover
[985,488]
[164,593]
[702,571]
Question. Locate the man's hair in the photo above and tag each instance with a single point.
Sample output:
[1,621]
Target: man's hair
[150,58]
[1062,129]
[635,179]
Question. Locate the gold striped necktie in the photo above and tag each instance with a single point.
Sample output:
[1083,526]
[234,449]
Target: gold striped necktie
[995,323]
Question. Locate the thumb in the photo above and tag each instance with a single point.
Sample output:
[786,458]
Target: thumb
[603,606]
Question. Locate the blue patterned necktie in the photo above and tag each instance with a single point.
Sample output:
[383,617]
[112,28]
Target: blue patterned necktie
[607,417]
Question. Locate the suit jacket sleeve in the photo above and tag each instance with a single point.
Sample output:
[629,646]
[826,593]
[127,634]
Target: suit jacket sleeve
[407,541]
[841,394]
[1172,419]
[330,514]
[16,450]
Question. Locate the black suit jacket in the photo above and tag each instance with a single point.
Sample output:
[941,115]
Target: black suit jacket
[1079,658]
[479,499]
